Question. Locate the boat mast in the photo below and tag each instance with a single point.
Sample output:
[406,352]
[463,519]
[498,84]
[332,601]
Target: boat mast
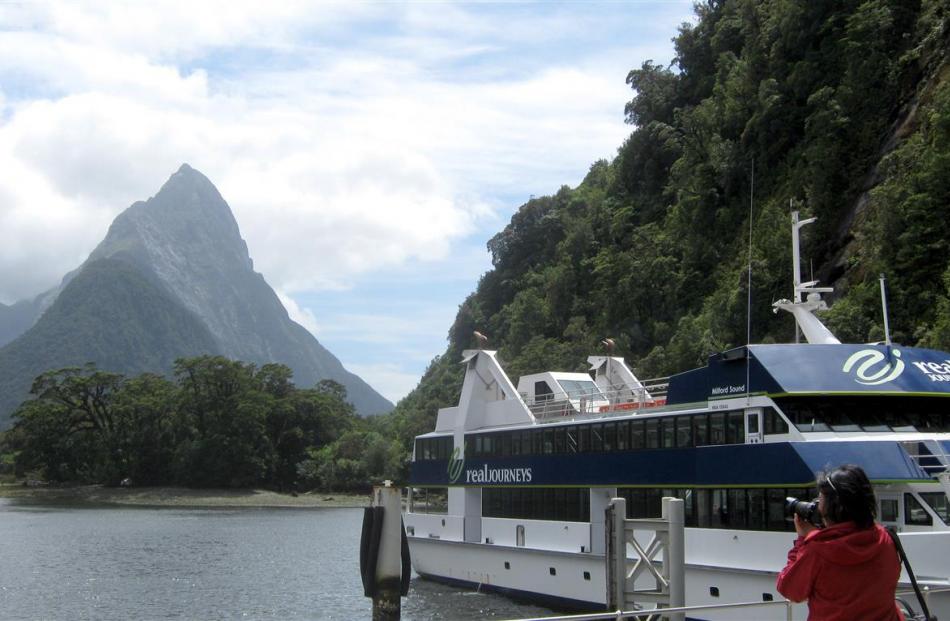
[803,311]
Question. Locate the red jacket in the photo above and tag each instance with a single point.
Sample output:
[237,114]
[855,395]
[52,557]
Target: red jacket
[845,573]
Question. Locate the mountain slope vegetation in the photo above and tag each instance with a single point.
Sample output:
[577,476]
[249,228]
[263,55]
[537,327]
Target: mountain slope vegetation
[109,313]
[838,110]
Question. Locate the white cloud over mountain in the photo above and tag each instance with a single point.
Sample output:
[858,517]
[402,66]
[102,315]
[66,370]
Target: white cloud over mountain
[346,137]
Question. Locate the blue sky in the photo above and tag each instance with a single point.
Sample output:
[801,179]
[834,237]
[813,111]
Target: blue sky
[369,150]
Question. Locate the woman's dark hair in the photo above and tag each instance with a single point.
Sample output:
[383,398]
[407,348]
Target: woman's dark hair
[849,496]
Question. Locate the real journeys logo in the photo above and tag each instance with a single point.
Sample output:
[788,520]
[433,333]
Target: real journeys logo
[869,370]
[456,465]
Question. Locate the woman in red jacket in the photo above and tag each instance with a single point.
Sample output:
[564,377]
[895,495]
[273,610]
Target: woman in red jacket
[847,570]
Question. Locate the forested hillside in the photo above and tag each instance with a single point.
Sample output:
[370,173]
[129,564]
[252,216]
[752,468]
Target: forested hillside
[842,109]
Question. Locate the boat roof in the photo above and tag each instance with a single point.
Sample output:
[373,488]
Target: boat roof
[802,369]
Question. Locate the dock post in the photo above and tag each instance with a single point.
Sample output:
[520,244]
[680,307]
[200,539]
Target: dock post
[676,554]
[386,598]
[616,554]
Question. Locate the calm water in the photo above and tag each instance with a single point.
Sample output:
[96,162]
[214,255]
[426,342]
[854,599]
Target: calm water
[68,562]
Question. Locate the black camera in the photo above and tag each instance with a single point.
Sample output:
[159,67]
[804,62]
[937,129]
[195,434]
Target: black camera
[807,511]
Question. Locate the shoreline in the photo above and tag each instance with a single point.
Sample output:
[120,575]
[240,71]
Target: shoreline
[180,497]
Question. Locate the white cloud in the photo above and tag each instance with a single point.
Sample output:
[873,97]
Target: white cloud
[347,138]
[390,380]
[303,316]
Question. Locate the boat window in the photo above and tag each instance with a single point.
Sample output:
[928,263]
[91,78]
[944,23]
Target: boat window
[700,429]
[560,440]
[872,413]
[637,434]
[684,432]
[542,392]
[757,509]
[537,441]
[562,504]
[720,509]
[775,516]
[735,428]
[505,444]
[889,509]
[623,435]
[753,422]
[914,512]
[938,502]
[576,389]
[596,438]
[653,433]
[572,440]
[717,428]
[610,437]
[703,508]
[738,508]
[548,441]
[774,423]
[429,500]
[583,443]
[429,449]
[668,432]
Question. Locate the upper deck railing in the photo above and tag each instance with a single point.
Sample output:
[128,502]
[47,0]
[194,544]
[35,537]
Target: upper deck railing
[931,456]
[616,401]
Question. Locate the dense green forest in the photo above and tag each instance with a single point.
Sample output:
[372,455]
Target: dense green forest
[220,423]
[840,110]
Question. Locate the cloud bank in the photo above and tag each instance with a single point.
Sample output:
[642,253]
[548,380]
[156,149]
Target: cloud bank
[347,138]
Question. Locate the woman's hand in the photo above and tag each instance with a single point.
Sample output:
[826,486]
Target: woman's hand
[802,527]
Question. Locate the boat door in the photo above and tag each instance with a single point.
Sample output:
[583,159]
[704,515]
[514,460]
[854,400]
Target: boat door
[753,426]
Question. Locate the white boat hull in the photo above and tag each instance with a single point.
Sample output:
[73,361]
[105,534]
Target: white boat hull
[575,580]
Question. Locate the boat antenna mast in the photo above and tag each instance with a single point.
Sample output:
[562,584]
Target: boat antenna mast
[803,311]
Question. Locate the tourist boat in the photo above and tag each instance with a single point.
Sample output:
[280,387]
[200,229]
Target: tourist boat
[508,493]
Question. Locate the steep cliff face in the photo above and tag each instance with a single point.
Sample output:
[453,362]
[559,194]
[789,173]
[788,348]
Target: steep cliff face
[185,244]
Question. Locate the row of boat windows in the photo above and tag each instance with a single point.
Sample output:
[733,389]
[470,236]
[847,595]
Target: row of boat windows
[571,504]
[868,413]
[679,431]
[744,509]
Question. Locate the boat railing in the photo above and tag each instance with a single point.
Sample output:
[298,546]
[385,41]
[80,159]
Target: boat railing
[616,400]
[930,456]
